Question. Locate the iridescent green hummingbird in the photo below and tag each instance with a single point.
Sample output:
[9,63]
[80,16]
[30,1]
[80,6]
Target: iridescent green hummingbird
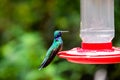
[54,49]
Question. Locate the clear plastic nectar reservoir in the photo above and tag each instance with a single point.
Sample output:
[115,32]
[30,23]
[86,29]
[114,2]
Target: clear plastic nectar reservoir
[97,21]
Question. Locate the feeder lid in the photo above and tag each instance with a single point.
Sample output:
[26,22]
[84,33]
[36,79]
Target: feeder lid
[83,56]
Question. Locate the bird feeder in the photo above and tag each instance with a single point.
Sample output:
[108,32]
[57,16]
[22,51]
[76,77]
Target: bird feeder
[96,32]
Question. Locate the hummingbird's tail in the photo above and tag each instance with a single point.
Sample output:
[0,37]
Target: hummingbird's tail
[43,64]
[40,67]
[46,61]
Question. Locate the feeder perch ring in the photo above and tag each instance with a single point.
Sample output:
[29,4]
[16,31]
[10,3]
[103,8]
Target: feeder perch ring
[81,56]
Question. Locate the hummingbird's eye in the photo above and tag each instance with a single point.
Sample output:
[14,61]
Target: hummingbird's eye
[60,33]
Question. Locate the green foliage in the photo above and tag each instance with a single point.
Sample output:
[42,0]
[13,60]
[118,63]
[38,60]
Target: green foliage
[26,32]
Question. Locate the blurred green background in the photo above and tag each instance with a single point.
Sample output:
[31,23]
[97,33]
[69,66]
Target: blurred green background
[26,32]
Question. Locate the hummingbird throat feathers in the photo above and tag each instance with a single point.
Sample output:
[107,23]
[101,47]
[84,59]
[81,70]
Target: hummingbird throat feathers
[57,38]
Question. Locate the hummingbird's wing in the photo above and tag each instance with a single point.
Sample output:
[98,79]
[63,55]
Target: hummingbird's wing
[49,58]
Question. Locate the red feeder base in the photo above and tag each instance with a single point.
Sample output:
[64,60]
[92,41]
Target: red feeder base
[87,56]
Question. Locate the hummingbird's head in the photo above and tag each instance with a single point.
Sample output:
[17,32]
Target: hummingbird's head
[58,33]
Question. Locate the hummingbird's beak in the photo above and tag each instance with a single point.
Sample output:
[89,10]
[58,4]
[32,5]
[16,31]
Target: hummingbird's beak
[64,31]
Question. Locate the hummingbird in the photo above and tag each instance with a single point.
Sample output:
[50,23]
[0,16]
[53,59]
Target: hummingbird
[54,49]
